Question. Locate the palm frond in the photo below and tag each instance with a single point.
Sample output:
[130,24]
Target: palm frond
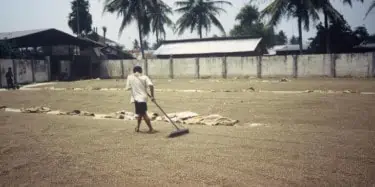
[372,6]
[217,23]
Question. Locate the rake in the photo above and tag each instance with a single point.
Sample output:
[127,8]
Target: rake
[178,131]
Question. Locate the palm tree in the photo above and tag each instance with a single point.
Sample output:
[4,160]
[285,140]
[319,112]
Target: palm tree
[372,6]
[301,9]
[131,10]
[159,18]
[199,15]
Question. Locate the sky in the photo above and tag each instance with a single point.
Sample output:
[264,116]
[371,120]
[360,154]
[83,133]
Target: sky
[18,15]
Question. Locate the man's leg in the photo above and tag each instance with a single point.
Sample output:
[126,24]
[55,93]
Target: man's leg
[143,112]
[148,122]
[139,120]
[139,116]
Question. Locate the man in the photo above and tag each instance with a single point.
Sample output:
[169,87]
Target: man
[137,83]
[9,77]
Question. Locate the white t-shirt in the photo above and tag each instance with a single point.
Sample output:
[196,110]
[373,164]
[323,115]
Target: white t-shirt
[138,84]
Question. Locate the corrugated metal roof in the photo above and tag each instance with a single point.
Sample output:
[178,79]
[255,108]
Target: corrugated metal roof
[272,50]
[208,47]
[294,47]
[17,34]
[366,45]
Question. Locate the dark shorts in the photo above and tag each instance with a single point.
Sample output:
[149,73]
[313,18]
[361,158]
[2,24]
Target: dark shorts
[140,108]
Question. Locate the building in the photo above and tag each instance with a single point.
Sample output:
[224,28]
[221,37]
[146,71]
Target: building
[211,47]
[291,49]
[110,50]
[58,45]
[137,54]
[364,47]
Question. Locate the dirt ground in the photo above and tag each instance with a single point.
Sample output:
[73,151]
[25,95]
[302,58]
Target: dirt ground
[300,84]
[306,139]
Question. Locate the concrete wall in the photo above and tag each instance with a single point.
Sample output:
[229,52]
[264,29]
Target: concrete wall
[41,71]
[277,66]
[241,66]
[25,71]
[332,65]
[159,67]
[184,68]
[314,65]
[210,67]
[354,65]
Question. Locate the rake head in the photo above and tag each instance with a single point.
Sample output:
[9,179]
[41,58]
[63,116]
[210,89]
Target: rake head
[178,132]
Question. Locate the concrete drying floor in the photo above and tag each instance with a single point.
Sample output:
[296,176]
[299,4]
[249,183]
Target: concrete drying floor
[309,139]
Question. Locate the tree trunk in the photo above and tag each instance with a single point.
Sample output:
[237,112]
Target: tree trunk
[300,35]
[157,36]
[200,31]
[141,39]
[328,37]
[140,14]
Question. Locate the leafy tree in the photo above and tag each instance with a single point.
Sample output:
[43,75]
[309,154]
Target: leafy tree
[281,38]
[303,10]
[294,40]
[199,14]
[342,41]
[135,44]
[361,33]
[159,18]
[330,13]
[80,13]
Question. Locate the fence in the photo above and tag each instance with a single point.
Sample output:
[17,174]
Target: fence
[25,71]
[320,65]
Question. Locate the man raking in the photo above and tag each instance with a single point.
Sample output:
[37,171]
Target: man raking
[137,83]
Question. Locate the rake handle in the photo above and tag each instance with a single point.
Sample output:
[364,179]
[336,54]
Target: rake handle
[163,112]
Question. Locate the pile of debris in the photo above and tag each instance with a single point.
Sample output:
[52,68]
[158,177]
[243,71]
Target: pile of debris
[186,117]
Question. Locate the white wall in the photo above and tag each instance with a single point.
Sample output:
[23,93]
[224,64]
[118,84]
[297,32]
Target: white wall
[210,67]
[41,71]
[159,67]
[314,65]
[353,65]
[24,71]
[242,66]
[277,66]
[356,65]
[184,68]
